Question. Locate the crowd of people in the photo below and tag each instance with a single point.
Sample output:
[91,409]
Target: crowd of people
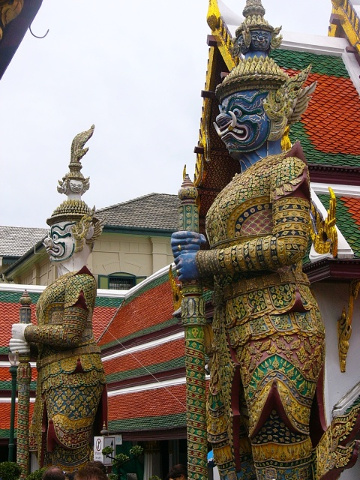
[96,470]
[91,471]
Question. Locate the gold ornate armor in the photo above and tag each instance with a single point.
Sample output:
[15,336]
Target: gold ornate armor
[70,374]
[268,335]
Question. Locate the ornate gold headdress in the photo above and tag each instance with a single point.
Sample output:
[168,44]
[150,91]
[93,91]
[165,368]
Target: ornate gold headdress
[74,184]
[255,38]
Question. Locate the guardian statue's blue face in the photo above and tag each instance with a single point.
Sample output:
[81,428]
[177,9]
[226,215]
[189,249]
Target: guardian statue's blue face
[242,124]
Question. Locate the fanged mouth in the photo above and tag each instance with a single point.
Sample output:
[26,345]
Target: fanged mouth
[231,129]
[53,250]
[240,134]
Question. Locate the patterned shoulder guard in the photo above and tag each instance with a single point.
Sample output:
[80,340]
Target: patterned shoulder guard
[291,178]
[81,282]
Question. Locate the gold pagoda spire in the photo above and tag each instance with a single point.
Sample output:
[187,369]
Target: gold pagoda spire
[253,7]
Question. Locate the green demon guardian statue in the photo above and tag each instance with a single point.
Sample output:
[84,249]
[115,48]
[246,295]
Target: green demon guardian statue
[70,381]
[268,338]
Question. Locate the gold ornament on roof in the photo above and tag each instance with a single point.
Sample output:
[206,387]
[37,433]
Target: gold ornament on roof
[345,325]
[323,232]
[9,9]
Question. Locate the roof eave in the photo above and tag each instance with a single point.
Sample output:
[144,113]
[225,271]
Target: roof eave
[334,174]
[15,31]
[137,230]
[328,269]
[37,248]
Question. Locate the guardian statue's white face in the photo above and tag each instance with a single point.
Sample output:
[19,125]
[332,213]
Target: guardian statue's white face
[60,243]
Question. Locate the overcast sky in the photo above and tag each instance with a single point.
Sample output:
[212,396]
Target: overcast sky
[133,68]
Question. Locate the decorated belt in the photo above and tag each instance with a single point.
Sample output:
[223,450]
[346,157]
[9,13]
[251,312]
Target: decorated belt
[264,281]
[82,350]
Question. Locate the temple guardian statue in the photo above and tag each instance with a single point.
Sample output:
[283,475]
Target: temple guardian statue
[70,381]
[267,351]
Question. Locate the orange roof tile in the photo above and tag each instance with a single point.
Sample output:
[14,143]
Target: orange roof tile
[353,205]
[151,403]
[141,312]
[162,353]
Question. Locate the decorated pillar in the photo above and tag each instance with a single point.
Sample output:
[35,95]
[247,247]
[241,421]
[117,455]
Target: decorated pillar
[193,319]
[24,379]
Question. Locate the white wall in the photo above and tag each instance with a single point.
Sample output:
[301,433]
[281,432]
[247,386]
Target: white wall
[332,298]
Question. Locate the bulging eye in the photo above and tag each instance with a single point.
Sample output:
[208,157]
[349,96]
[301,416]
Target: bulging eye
[237,112]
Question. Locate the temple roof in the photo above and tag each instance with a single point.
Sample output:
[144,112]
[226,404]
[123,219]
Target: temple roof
[15,241]
[327,127]
[157,211]
[143,355]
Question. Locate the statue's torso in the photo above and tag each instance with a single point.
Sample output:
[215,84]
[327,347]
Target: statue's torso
[259,300]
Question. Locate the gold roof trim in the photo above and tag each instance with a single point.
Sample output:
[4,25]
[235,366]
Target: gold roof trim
[349,22]
[224,41]
[9,9]
[223,36]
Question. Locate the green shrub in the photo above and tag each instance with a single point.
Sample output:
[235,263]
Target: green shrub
[9,471]
[37,474]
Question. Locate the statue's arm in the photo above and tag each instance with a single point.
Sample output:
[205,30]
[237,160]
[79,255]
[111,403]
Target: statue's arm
[286,245]
[68,334]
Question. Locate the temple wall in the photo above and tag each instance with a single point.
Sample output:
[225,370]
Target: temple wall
[140,255]
[332,298]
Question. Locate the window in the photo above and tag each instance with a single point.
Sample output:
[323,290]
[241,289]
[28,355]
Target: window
[118,281]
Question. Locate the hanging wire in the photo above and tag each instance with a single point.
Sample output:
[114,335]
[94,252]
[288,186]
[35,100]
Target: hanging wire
[146,369]
[36,36]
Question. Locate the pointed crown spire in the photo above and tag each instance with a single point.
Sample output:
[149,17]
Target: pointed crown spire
[253,7]
[74,184]
[255,36]
[256,70]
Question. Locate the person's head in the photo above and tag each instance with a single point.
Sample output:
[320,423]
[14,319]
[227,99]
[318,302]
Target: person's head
[53,473]
[97,464]
[90,472]
[178,472]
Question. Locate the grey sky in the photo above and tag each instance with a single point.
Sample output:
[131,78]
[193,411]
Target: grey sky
[133,68]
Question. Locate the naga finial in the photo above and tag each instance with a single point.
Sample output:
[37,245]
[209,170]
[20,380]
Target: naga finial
[77,146]
[73,183]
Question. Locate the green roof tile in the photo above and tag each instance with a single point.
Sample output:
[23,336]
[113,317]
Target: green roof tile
[148,423]
[146,370]
[321,64]
[316,157]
